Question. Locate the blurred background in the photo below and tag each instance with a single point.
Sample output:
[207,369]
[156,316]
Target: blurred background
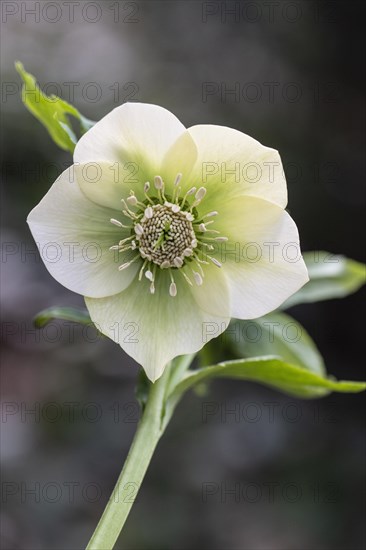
[242,467]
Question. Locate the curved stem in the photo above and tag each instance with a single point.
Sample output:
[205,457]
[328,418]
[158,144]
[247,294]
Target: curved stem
[148,433]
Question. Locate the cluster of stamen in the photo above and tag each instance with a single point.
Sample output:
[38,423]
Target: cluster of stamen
[167,233]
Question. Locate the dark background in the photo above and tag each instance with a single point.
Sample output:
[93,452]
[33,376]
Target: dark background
[297,476]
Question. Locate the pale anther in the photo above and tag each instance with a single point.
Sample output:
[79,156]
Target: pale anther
[177,179]
[158,182]
[132,200]
[149,212]
[173,289]
[149,275]
[197,277]
[200,193]
[116,222]
[214,261]
[139,229]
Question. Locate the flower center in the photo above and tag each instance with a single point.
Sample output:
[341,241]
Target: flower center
[168,233]
[167,237]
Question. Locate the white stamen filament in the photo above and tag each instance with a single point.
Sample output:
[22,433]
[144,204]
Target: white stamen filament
[128,212]
[187,279]
[141,272]
[127,264]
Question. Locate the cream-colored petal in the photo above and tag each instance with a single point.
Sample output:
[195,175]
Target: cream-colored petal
[262,258]
[212,295]
[153,329]
[74,235]
[235,164]
[180,159]
[136,135]
[106,186]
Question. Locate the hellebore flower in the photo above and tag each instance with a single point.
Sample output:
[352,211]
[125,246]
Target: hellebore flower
[169,232]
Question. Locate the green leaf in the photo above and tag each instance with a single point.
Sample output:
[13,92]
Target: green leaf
[51,111]
[63,313]
[331,276]
[273,372]
[275,334]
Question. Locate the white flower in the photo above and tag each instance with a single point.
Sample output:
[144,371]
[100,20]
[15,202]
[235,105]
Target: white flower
[169,232]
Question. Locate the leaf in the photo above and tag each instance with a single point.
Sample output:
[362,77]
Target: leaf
[331,276]
[51,111]
[270,371]
[63,313]
[276,334]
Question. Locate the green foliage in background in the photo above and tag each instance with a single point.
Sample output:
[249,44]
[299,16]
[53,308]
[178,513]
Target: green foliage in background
[53,112]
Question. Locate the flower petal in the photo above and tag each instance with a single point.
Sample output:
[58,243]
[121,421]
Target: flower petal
[238,163]
[262,258]
[153,329]
[180,159]
[74,235]
[106,185]
[135,133]
[212,296]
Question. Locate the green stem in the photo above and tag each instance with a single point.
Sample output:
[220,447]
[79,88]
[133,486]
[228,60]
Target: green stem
[148,433]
